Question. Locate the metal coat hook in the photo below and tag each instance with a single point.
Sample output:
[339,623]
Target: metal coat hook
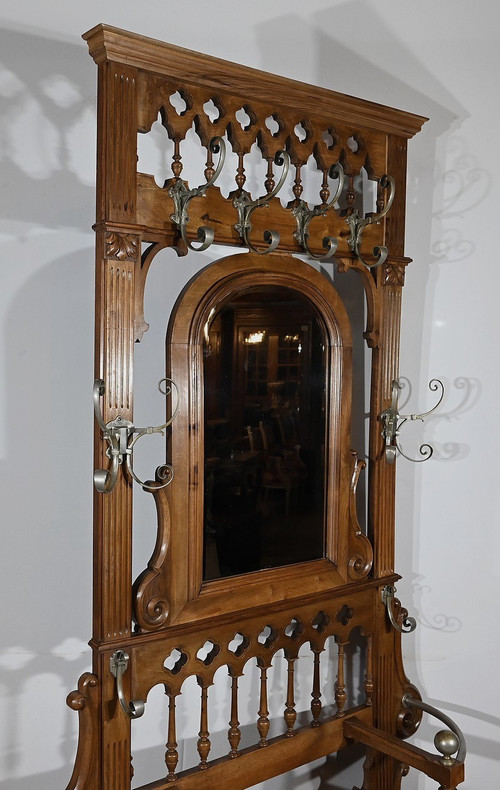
[122,436]
[182,196]
[447,743]
[303,214]
[246,206]
[409,623]
[118,665]
[357,224]
[392,421]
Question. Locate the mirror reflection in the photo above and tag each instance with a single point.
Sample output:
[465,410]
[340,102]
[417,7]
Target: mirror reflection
[265,429]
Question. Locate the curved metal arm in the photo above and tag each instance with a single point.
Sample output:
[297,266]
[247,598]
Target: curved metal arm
[357,225]
[105,480]
[412,702]
[165,471]
[409,623]
[392,422]
[118,665]
[246,206]
[98,392]
[182,197]
[119,434]
[303,214]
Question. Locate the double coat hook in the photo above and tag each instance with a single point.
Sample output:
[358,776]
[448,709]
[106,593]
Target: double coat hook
[121,436]
[392,422]
[182,196]
[246,206]
[357,224]
[303,214]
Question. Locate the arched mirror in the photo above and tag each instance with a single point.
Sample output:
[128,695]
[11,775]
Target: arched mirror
[265,396]
[261,504]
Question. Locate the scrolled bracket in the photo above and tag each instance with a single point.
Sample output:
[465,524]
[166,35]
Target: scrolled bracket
[246,206]
[392,422]
[182,196]
[446,742]
[408,624]
[357,224]
[121,436]
[118,665]
[303,214]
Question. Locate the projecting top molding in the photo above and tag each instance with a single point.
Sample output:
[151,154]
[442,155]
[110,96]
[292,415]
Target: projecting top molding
[107,43]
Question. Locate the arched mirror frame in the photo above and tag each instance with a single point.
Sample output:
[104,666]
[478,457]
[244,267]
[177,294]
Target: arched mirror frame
[181,506]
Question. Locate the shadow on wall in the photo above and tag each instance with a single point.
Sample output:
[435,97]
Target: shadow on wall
[47,507]
[47,129]
[47,112]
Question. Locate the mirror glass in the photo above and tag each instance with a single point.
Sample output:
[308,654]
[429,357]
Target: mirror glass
[265,433]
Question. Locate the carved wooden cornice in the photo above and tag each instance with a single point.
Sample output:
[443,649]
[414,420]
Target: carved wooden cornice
[107,43]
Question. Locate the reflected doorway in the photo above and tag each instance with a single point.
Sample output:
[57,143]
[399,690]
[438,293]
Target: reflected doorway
[265,432]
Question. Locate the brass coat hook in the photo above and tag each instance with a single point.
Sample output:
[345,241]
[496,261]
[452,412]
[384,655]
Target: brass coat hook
[303,214]
[182,196]
[118,665]
[122,436]
[409,623]
[392,422]
[246,206]
[357,224]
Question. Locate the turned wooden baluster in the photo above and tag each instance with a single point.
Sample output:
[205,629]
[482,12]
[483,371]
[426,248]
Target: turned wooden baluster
[177,165]
[171,755]
[316,693]
[240,172]
[297,184]
[234,732]
[209,165]
[269,183]
[290,713]
[263,723]
[203,744]
[340,692]
[325,191]
[369,685]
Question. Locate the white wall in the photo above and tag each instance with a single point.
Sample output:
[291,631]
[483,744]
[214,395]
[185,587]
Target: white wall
[436,59]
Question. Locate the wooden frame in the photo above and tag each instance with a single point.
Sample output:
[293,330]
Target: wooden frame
[345,545]
[301,604]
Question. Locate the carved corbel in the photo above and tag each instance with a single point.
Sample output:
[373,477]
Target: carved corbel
[150,605]
[360,548]
[122,246]
[85,701]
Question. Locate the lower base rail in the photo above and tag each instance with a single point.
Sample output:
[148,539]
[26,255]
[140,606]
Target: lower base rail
[281,754]
[445,770]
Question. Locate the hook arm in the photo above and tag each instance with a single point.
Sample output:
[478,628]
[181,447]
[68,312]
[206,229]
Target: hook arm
[122,436]
[393,421]
[245,207]
[182,197]
[118,664]
[409,623]
[303,214]
[357,225]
